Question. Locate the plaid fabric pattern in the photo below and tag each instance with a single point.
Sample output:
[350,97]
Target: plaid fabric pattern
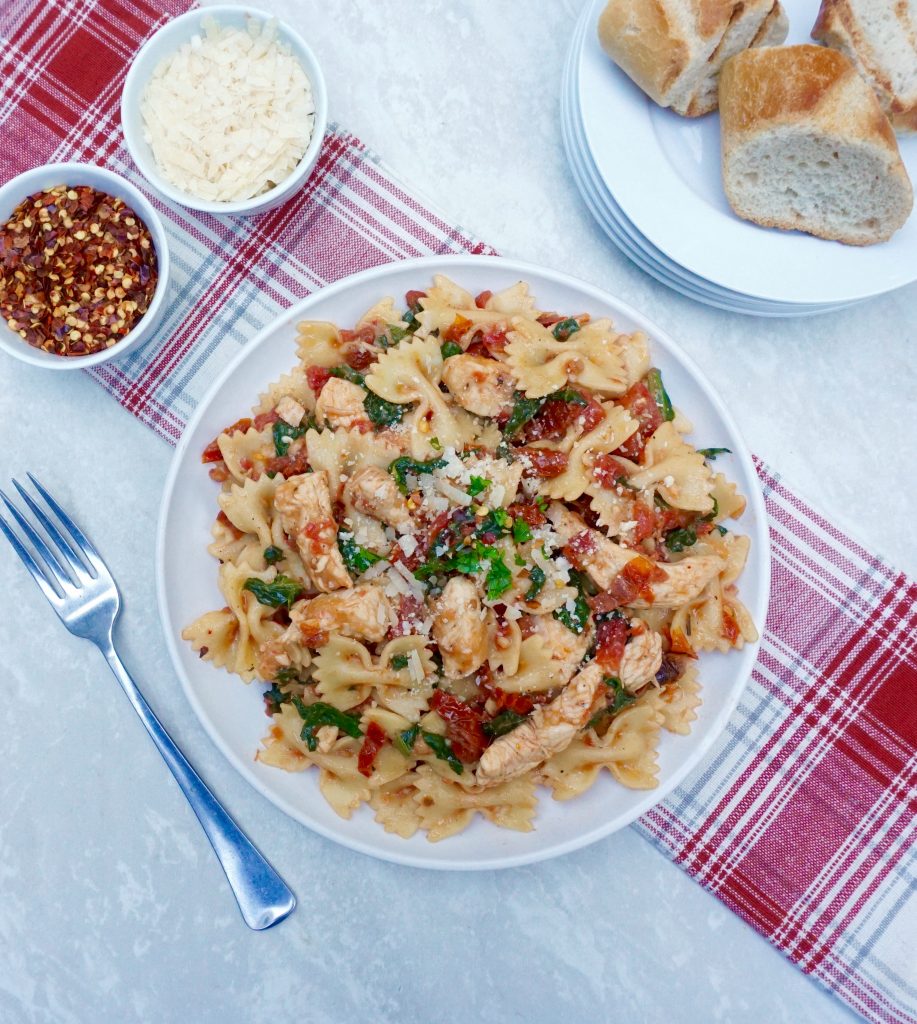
[803,819]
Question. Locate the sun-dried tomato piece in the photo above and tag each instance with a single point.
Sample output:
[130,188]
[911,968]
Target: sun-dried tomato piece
[642,406]
[373,741]
[212,452]
[463,725]
[579,548]
[542,462]
[610,640]
[528,512]
[264,418]
[317,377]
[482,298]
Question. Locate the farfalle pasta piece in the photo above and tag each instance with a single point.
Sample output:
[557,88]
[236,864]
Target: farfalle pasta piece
[318,343]
[595,357]
[396,807]
[249,507]
[339,453]
[343,671]
[383,312]
[611,432]
[244,449]
[675,470]
[516,300]
[679,700]
[446,807]
[294,385]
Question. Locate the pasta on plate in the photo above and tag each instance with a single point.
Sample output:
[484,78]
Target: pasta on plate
[470,551]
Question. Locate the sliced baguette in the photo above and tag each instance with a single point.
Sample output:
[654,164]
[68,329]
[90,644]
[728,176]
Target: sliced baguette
[880,37]
[807,147]
[674,49]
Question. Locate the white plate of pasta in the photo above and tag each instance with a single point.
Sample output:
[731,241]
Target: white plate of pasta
[462,563]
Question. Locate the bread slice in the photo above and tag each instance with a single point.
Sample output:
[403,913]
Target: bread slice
[807,147]
[880,37]
[674,49]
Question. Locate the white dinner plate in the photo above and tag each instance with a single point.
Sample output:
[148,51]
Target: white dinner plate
[232,713]
[664,173]
[610,217]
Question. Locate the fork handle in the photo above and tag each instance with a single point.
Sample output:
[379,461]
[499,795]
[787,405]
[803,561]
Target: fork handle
[261,893]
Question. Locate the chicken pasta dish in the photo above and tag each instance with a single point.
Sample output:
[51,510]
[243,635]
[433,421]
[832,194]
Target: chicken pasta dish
[470,551]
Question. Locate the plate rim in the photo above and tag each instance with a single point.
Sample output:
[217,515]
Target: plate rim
[754,497]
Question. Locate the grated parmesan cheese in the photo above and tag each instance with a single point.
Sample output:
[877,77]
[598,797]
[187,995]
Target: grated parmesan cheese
[230,114]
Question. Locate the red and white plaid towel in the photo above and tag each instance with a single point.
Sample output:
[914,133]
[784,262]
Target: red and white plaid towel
[804,817]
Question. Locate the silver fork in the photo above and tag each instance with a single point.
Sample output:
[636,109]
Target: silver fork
[82,591]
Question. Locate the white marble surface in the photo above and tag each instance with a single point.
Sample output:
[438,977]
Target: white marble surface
[113,907]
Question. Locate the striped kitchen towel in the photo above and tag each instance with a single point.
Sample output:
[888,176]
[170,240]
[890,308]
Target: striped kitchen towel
[803,818]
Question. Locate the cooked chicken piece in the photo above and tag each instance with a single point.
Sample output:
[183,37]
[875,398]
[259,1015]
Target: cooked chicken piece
[290,411]
[304,504]
[362,612]
[550,729]
[567,649]
[373,491]
[602,559]
[341,405]
[642,657]
[459,628]
[482,386]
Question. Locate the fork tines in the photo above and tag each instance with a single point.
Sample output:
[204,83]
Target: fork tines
[61,559]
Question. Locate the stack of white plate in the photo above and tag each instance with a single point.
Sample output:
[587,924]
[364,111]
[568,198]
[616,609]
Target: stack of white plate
[652,181]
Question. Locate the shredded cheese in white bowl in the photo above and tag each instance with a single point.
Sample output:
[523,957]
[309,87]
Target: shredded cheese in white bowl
[224,110]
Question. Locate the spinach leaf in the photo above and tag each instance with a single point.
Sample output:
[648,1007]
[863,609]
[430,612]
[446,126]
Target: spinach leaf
[443,750]
[405,464]
[283,434]
[357,559]
[273,554]
[348,373]
[287,675]
[503,723]
[399,661]
[280,591]
[620,700]
[660,395]
[575,619]
[404,741]
[537,576]
[397,334]
[382,412]
[450,349]
[678,540]
[564,328]
[316,715]
[711,453]
[523,410]
[273,698]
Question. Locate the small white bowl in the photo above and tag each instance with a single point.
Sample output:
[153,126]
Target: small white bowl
[165,42]
[47,176]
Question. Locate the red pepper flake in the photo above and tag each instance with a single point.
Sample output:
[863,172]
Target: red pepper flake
[463,725]
[78,270]
[373,742]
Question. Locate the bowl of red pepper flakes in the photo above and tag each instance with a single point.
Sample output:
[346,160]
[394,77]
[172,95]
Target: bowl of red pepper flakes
[84,266]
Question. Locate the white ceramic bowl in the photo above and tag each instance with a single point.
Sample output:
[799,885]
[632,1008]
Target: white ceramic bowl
[47,176]
[233,713]
[165,42]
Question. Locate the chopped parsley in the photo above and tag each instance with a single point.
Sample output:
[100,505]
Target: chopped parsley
[522,532]
[316,715]
[450,348]
[399,661]
[273,554]
[436,444]
[405,464]
[443,750]
[477,486]
[564,328]
[537,576]
[503,723]
[357,559]
[284,433]
[499,576]
[678,540]
[280,591]
[711,453]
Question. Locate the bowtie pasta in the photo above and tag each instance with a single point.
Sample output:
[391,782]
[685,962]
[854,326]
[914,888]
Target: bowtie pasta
[469,550]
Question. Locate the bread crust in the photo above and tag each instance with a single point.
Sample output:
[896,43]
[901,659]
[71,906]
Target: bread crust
[836,26]
[810,88]
[656,46]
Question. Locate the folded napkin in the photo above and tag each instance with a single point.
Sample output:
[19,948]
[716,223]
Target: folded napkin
[803,818]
